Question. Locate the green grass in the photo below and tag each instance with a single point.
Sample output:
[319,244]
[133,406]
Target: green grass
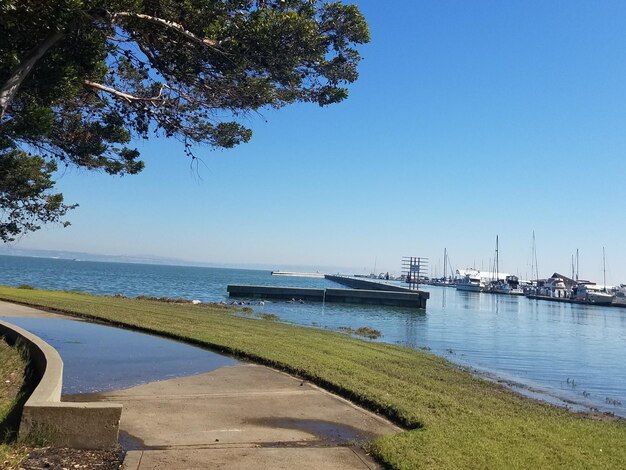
[12,369]
[456,419]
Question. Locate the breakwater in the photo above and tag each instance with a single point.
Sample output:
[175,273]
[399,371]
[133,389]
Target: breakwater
[367,284]
[352,296]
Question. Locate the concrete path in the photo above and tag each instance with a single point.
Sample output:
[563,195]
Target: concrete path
[8,309]
[241,417]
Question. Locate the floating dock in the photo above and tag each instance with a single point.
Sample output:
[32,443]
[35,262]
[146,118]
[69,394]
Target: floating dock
[294,274]
[573,301]
[353,296]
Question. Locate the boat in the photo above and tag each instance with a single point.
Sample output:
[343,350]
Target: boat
[557,287]
[469,280]
[497,287]
[592,294]
[514,285]
[444,281]
[509,285]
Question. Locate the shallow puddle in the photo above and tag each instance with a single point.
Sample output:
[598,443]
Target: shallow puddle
[98,358]
[327,432]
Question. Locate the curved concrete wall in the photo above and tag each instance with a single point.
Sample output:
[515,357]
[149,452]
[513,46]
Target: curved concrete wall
[64,424]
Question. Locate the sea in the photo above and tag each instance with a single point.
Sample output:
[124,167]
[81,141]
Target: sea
[568,354]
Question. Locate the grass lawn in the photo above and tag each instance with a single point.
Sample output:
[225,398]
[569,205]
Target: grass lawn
[12,367]
[455,420]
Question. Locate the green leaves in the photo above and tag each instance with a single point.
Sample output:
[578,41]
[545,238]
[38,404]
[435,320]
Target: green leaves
[25,199]
[106,72]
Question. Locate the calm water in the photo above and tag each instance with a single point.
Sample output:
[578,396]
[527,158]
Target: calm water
[570,352]
[99,358]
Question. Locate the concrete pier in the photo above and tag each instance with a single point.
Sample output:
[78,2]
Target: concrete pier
[295,274]
[353,296]
[378,286]
[369,284]
[267,292]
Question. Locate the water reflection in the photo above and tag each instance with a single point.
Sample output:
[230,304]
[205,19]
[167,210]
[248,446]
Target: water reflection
[99,358]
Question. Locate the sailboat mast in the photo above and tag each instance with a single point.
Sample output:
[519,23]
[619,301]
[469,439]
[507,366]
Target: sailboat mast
[535,258]
[445,262]
[577,265]
[532,258]
[497,261]
[604,268]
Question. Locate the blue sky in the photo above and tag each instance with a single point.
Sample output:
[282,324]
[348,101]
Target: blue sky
[470,119]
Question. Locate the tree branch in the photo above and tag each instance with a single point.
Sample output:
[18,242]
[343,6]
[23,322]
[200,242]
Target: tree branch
[166,23]
[10,87]
[125,96]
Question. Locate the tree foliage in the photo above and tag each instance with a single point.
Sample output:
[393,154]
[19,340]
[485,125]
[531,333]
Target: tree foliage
[25,198]
[82,78]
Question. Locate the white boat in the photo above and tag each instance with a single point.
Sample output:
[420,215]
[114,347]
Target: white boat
[600,298]
[469,280]
[499,287]
[514,285]
[593,294]
[553,287]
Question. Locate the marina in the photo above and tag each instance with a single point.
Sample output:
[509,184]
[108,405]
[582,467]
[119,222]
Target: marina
[557,288]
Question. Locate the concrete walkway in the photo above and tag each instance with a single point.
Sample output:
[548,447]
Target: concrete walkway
[246,416]
[8,309]
[241,417]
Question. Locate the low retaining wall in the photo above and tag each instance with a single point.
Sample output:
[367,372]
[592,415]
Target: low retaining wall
[63,424]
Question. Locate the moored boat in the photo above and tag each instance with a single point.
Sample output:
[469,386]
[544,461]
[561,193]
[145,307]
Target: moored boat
[469,280]
[593,294]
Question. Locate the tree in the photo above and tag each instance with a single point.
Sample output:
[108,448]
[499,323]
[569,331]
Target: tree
[81,78]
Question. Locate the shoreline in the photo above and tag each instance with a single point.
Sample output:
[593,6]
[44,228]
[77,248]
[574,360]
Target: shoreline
[445,409]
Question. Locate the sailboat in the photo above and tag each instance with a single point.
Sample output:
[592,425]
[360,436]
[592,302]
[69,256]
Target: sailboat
[445,281]
[497,285]
[509,285]
[591,293]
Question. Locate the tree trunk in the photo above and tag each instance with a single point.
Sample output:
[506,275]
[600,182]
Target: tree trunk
[10,87]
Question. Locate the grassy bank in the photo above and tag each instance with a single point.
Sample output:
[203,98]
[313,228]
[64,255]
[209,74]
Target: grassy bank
[12,369]
[456,420]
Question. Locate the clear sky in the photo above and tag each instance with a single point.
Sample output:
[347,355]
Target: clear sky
[469,120]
